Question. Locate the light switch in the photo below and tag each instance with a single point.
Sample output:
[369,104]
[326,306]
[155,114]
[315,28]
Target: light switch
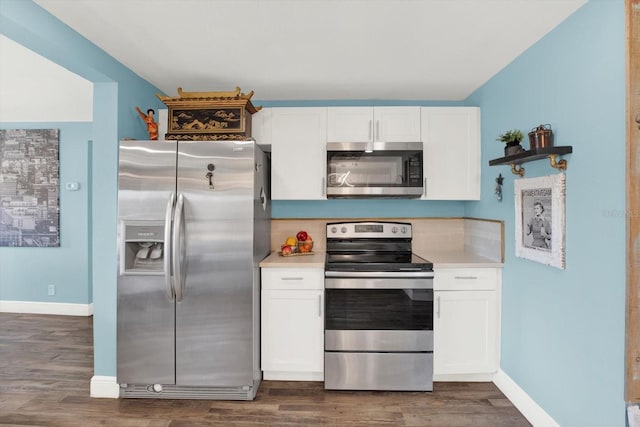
[72,186]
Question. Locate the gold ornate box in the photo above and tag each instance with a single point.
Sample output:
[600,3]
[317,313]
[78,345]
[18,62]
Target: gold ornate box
[209,116]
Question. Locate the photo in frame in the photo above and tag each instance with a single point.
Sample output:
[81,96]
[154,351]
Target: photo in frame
[540,219]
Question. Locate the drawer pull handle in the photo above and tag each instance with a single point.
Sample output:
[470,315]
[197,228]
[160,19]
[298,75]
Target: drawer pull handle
[293,278]
[466,277]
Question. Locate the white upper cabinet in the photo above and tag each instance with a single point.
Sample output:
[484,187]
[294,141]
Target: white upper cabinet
[451,138]
[297,138]
[261,128]
[350,124]
[373,124]
[298,153]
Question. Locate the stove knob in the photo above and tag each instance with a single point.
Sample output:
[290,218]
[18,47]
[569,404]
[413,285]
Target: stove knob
[394,230]
[333,230]
[404,230]
[343,229]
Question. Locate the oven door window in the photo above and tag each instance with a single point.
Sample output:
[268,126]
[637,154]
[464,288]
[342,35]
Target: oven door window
[377,169]
[379,309]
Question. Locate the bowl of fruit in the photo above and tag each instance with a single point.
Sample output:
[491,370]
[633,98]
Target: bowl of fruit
[300,244]
[305,242]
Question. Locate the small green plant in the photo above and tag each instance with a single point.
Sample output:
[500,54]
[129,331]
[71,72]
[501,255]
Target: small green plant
[513,135]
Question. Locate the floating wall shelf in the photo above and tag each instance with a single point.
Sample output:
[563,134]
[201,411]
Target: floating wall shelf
[516,160]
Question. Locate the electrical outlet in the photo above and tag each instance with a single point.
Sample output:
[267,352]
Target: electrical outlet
[51,290]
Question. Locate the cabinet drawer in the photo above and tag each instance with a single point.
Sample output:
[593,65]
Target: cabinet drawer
[292,278]
[471,279]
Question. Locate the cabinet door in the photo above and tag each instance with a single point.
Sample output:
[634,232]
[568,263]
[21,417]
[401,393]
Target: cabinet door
[365,124]
[292,331]
[451,137]
[298,155]
[465,332]
[350,124]
[261,128]
[397,124]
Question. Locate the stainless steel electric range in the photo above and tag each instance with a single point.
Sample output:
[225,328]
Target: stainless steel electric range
[378,309]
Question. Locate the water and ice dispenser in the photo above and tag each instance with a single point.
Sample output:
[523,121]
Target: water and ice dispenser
[143,248]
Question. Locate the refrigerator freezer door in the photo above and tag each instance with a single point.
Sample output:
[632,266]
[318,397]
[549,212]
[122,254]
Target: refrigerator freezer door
[214,321]
[146,177]
[146,314]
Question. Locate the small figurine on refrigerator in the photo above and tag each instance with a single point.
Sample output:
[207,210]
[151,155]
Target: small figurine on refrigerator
[152,126]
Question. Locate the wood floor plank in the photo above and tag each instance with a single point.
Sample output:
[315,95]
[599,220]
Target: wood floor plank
[46,365]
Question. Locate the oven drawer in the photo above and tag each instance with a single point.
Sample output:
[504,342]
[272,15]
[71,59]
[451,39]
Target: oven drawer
[378,371]
[378,340]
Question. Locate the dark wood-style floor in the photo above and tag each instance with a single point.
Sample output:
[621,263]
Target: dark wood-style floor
[46,364]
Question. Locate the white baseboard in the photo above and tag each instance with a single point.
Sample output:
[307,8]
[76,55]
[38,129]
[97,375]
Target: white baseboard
[463,377]
[34,307]
[521,400]
[106,387]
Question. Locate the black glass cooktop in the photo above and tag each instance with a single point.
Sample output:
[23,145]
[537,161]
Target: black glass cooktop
[376,261]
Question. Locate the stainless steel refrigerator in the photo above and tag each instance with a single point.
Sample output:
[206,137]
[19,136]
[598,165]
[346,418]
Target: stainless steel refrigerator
[193,224]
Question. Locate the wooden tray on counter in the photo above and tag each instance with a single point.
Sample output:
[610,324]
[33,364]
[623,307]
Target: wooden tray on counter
[296,254]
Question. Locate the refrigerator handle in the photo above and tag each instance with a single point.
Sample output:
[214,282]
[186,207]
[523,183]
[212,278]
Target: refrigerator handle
[168,276]
[178,248]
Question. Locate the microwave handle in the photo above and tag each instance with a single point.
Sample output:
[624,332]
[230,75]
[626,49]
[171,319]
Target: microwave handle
[424,188]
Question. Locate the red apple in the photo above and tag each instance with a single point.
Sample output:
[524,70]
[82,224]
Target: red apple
[302,236]
[286,250]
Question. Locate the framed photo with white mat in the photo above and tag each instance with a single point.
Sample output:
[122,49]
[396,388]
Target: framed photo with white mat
[540,219]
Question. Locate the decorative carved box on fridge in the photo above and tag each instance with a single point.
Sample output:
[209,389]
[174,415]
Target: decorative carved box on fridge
[209,116]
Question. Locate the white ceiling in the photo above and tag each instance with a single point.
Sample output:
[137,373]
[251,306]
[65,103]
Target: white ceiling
[316,49]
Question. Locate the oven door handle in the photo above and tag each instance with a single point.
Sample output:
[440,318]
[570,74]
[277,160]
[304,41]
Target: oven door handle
[378,283]
[381,274]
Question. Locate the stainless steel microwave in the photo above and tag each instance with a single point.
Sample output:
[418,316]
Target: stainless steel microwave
[379,169]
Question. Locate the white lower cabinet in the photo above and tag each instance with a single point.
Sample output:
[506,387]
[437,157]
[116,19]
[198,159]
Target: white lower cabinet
[466,324]
[292,324]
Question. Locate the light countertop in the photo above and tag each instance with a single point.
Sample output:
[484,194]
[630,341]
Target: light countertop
[450,259]
[275,260]
[460,259]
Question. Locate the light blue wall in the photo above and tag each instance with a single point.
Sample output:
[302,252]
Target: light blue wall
[26,272]
[117,91]
[563,330]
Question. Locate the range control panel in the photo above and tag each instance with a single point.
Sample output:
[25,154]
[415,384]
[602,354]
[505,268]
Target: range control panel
[369,229]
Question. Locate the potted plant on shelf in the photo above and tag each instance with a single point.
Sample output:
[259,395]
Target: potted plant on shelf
[512,139]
